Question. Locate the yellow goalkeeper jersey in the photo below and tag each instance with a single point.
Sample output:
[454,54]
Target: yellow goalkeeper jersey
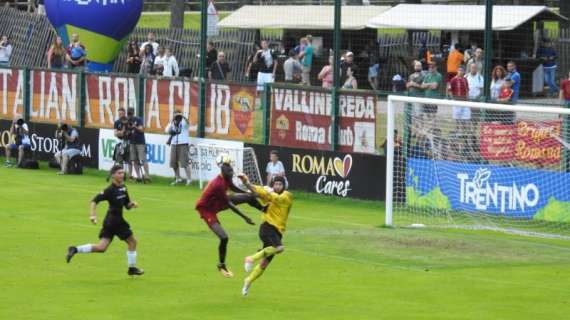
[279,207]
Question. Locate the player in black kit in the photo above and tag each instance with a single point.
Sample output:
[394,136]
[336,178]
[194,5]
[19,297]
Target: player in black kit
[114,224]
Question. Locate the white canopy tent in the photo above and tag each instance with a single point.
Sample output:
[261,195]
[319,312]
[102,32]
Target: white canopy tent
[458,17]
[300,17]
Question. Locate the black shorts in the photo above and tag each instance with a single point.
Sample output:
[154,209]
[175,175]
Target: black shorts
[121,230]
[269,235]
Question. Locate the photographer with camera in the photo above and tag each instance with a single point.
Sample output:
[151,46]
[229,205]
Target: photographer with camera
[137,142]
[179,142]
[19,135]
[121,153]
[68,139]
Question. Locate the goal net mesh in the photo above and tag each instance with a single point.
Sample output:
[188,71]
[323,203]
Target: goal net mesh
[243,160]
[460,164]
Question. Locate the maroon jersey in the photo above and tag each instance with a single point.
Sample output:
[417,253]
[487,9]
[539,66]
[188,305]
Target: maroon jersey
[215,196]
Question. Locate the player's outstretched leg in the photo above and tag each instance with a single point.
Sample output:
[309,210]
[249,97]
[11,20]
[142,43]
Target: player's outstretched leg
[239,198]
[222,249]
[87,248]
[132,257]
[255,274]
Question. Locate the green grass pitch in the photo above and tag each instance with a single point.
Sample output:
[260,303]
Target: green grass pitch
[338,262]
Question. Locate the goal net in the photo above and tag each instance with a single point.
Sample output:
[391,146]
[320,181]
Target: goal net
[476,165]
[243,161]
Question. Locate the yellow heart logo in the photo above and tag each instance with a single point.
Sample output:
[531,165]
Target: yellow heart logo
[343,166]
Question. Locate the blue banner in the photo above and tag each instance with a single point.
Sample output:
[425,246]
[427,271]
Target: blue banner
[502,191]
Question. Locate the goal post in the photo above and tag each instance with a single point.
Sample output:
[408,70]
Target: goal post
[243,160]
[477,165]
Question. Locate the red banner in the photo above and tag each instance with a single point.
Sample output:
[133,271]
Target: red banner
[12,96]
[539,142]
[105,94]
[303,119]
[55,97]
[526,141]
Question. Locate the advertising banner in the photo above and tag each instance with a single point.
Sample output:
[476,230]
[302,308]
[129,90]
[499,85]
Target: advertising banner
[105,94]
[158,154]
[526,141]
[230,108]
[503,191]
[44,144]
[54,97]
[303,118]
[12,93]
[336,174]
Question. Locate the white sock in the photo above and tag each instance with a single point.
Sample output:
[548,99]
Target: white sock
[86,248]
[132,258]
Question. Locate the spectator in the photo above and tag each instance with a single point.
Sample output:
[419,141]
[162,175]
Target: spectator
[133,58]
[373,71]
[292,68]
[274,168]
[432,84]
[5,51]
[348,63]
[457,88]
[251,69]
[497,81]
[179,142]
[19,133]
[454,60]
[398,83]
[77,56]
[158,66]
[307,60]
[326,74]
[219,70]
[267,65]
[56,54]
[476,59]
[150,40]
[72,146]
[415,80]
[211,55]
[350,82]
[137,142]
[170,65]
[147,60]
[424,55]
[470,53]
[548,56]
[565,91]
[74,49]
[475,81]
[513,81]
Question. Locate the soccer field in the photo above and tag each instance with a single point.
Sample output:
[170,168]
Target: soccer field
[338,263]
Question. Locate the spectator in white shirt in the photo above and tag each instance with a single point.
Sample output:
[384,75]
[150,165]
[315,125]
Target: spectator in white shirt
[475,81]
[170,65]
[179,142]
[158,66]
[5,51]
[275,168]
[150,40]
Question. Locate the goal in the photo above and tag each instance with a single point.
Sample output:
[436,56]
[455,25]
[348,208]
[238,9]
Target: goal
[478,165]
[243,161]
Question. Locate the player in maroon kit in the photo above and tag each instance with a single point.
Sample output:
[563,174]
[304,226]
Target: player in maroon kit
[215,198]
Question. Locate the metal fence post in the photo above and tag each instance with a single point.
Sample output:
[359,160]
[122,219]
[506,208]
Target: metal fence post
[488,39]
[141,97]
[266,105]
[336,70]
[27,95]
[202,79]
[82,98]
[202,108]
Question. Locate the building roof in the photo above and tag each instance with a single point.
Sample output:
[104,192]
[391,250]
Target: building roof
[458,17]
[300,17]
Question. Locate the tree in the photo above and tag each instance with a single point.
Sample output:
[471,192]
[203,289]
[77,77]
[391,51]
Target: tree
[176,14]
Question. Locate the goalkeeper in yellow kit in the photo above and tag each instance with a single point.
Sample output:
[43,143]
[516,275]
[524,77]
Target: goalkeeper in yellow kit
[271,230]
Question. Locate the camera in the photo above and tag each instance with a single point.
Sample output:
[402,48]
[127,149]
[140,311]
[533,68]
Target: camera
[20,122]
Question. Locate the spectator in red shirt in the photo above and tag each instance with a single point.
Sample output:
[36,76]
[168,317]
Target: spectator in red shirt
[565,91]
[458,88]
